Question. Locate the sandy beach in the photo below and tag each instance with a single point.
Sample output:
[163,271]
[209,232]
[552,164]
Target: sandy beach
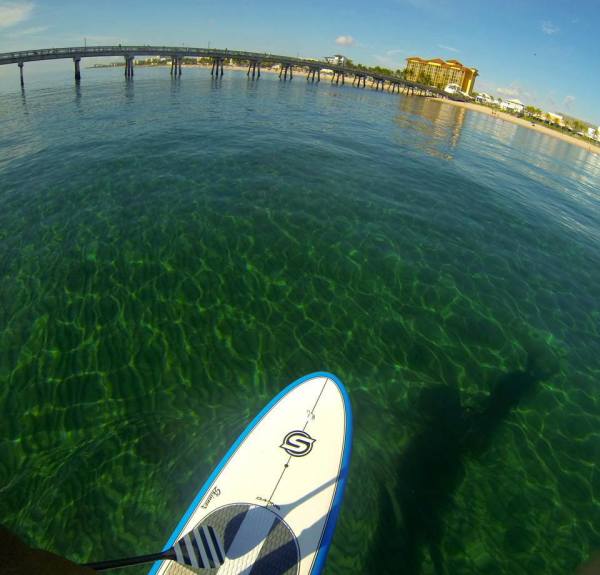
[591,147]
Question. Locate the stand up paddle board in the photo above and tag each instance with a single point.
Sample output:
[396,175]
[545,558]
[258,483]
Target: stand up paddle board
[274,498]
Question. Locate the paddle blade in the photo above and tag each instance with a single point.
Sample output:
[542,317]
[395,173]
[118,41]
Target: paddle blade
[200,548]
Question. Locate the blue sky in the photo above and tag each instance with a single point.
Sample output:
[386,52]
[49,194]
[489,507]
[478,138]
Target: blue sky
[546,53]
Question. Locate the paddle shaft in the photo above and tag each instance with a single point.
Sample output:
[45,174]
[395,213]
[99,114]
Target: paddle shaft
[128,561]
[200,548]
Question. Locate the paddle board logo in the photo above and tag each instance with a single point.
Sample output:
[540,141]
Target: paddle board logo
[297,443]
[214,493]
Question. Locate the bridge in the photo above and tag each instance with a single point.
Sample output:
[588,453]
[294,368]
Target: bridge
[254,60]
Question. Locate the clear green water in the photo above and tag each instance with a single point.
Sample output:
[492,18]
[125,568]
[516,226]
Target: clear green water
[173,253]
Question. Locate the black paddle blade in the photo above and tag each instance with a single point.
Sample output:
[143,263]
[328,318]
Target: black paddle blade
[200,548]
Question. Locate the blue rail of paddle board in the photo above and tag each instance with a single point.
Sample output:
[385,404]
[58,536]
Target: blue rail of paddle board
[339,494]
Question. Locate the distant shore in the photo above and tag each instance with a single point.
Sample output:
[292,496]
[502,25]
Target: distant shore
[590,147]
[468,105]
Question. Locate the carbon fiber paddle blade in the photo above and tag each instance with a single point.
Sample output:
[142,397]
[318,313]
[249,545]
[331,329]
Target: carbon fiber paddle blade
[200,548]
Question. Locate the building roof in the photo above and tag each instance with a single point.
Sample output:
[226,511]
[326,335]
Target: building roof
[444,63]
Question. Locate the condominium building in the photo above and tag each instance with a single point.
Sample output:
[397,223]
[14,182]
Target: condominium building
[337,60]
[554,118]
[440,73]
[513,105]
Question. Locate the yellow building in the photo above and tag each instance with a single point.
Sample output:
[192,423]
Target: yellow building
[440,73]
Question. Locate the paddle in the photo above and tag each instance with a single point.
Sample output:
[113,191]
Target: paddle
[200,548]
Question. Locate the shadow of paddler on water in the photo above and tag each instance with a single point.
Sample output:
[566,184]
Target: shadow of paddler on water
[431,468]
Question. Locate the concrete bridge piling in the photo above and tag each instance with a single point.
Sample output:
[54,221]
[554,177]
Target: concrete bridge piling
[311,74]
[252,67]
[358,78]
[336,77]
[21,73]
[285,68]
[214,71]
[176,62]
[77,60]
[129,66]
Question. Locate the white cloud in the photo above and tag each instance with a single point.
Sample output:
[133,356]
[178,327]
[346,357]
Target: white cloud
[568,101]
[549,28]
[28,32]
[12,13]
[483,86]
[395,51]
[509,91]
[344,40]
[449,48]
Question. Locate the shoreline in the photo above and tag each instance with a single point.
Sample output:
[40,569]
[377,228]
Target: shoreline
[595,149]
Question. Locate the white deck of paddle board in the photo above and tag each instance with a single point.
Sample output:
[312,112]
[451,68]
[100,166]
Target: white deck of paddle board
[298,489]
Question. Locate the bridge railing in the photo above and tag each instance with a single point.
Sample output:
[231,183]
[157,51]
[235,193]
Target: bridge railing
[146,49]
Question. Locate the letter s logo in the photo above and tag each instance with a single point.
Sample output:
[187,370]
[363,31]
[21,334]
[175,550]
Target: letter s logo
[297,443]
